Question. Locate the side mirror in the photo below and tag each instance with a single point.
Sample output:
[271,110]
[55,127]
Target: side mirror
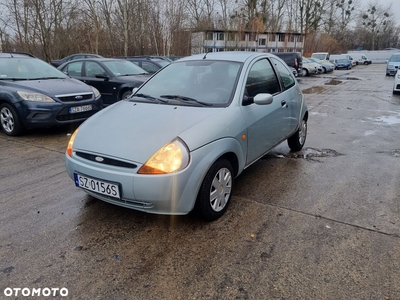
[263,99]
[105,77]
[134,90]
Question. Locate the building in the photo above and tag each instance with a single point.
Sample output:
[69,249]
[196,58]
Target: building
[226,40]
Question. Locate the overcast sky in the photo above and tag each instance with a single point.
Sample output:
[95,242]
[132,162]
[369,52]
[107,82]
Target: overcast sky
[385,3]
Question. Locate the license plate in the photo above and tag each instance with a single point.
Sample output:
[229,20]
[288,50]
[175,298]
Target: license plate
[98,186]
[78,109]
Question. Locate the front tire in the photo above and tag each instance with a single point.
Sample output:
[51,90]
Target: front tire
[9,119]
[298,139]
[215,191]
[126,94]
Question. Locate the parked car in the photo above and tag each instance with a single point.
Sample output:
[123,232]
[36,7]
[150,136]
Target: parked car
[150,65]
[396,85]
[59,62]
[393,64]
[327,66]
[35,94]
[353,62]
[310,68]
[342,63]
[292,59]
[321,55]
[114,78]
[180,141]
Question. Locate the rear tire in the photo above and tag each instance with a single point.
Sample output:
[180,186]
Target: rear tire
[9,119]
[298,139]
[215,191]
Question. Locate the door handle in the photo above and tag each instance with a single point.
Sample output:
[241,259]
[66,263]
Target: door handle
[283,103]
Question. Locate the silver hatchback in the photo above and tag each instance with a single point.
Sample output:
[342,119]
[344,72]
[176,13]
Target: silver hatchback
[393,64]
[181,139]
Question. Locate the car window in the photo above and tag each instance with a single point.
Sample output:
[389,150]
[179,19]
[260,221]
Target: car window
[149,67]
[27,68]
[93,69]
[121,67]
[261,79]
[73,69]
[285,74]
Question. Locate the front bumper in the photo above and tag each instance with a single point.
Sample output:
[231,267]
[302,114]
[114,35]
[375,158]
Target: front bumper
[38,114]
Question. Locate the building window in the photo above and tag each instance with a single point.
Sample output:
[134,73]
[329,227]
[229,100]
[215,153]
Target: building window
[220,36]
[262,42]
[281,37]
[242,36]
[292,38]
[209,36]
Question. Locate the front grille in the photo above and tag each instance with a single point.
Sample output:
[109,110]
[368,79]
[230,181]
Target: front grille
[75,97]
[106,160]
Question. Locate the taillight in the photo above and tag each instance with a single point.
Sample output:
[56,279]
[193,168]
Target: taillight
[296,63]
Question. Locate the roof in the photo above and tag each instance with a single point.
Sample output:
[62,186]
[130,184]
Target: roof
[239,56]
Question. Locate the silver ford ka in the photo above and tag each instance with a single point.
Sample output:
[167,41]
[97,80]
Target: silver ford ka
[180,140]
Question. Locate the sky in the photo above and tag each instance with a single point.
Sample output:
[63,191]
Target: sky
[384,3]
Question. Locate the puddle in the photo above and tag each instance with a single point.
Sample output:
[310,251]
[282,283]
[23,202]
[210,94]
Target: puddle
[333,82]
[389,120]
[394,153]
[314,90]
[306,153]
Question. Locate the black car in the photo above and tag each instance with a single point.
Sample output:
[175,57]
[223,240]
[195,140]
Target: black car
[292,59]
[35,94]
[114,78]
[148,64]
[58,62]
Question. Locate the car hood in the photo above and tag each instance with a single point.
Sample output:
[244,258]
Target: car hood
[135,131]
[52,87]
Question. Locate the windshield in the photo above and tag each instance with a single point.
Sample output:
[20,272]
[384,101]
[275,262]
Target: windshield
[319,56]
[208,82]
[124,67]
[27,69]
[395,58]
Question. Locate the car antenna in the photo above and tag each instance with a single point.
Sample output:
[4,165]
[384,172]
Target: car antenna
[205,55]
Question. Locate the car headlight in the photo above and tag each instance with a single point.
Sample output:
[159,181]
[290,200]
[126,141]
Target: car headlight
[390,67]
[173,157]
[96,92]
[398,75]
[37,97]
[71,143]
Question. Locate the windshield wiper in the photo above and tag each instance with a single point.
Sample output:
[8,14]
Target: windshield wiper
[133,74]
[148,97]
[185,99]
[41,78]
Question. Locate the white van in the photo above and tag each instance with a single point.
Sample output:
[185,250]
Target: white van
[361,58]
[321,55]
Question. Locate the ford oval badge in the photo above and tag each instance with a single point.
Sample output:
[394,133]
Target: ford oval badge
[99,159]
[79,97]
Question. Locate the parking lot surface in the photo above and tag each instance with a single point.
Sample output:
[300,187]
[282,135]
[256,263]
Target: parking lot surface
[320,224]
